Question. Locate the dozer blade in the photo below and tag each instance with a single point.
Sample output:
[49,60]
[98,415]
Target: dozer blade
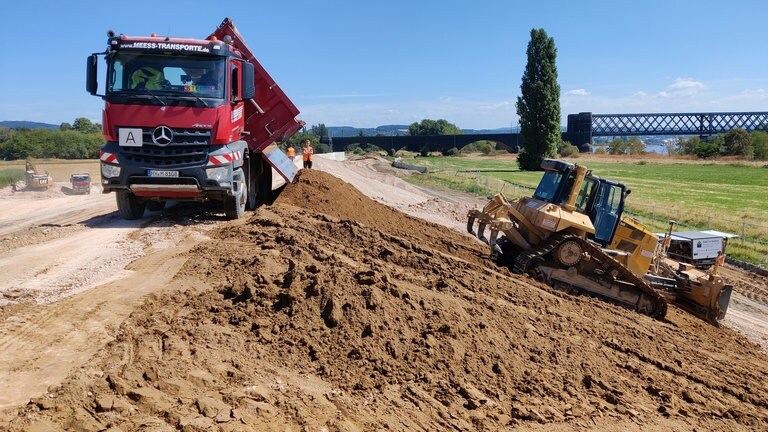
[724,300]
[705,297]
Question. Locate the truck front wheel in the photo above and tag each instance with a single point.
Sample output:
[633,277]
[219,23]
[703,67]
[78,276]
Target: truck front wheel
[129,206]
[234,206]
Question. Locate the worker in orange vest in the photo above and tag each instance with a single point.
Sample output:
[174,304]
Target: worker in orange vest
[306,154]
[291,152]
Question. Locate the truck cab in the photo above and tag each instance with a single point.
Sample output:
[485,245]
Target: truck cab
[183,121]
[81,183]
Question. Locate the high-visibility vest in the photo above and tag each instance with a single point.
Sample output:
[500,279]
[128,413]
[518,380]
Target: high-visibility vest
[306,153]
[147,78]
[291,152]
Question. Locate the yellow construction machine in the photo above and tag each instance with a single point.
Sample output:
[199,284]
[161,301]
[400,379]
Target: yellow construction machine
[35,180]
[572,234]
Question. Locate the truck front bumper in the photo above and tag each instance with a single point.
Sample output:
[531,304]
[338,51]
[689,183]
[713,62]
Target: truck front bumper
[178,182]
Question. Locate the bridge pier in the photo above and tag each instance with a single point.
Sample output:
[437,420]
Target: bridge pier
[579,132]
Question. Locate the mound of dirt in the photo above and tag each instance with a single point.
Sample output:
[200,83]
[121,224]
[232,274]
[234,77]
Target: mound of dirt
[328,311]
[319,192]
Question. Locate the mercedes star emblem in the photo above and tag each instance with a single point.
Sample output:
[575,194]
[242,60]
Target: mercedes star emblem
[162,135]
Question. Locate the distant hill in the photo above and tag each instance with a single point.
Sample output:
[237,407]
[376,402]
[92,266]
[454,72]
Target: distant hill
[27,124]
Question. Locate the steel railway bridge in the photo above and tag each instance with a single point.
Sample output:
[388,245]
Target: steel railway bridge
[582,127]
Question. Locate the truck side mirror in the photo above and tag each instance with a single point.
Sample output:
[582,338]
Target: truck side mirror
[249,86]
[91,86]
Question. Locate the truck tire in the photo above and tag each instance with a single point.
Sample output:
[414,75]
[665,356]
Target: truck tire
[234,206]
[129,206]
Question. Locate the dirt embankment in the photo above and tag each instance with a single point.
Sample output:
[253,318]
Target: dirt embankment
[329,311]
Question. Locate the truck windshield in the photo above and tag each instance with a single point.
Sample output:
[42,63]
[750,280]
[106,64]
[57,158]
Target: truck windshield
[158,74]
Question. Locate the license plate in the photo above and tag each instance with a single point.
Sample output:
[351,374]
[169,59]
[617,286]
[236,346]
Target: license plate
[162,173]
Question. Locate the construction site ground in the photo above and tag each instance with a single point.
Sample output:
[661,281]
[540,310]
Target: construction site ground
[353,302]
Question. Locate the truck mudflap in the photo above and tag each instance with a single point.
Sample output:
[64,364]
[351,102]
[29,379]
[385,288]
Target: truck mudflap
[280,162]
[270,115]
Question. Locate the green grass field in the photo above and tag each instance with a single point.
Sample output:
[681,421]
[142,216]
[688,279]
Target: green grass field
[59,169]
[10,175]
[730,197]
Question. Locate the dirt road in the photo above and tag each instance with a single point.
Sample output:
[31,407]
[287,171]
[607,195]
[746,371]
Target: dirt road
[72,271]
[340,315]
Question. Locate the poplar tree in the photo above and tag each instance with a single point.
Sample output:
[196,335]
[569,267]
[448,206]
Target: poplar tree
[539,105]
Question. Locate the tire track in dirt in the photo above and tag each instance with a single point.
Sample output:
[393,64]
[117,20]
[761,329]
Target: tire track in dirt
[62,335]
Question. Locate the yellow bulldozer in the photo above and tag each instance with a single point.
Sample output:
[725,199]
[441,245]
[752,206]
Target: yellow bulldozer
[573,235]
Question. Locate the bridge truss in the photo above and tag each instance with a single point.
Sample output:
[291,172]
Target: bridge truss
[676,124]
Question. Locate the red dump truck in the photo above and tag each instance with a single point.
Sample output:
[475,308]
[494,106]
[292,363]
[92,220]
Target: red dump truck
[190,120]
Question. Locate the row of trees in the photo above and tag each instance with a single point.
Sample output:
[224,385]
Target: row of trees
[79,140]
[429,127]
[631,146]
[737,142]
[426,127]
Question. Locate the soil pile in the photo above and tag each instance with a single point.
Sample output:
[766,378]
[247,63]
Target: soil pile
[319,192]
[345,315]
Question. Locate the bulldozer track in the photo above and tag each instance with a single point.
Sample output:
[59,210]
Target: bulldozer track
[525,260]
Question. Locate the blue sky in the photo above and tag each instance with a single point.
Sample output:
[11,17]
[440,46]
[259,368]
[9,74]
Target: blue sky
[368,63]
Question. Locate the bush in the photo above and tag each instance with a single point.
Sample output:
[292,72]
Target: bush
[486,147]
[636,147]
[760,145]
[569,150]
[738,142]
[352,148]
[55,144]
[618,146]
[453,151]
[706,149]
[600,150]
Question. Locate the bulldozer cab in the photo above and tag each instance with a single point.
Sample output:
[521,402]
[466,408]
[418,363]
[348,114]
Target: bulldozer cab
[600,199]
[554,184]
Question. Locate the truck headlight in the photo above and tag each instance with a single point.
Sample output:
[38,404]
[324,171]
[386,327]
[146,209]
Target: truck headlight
[109,171]
[219,174]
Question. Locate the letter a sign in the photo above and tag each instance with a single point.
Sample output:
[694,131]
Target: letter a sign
[130,137]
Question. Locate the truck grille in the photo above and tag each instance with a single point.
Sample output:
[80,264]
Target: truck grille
[189,148]
[181,136]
